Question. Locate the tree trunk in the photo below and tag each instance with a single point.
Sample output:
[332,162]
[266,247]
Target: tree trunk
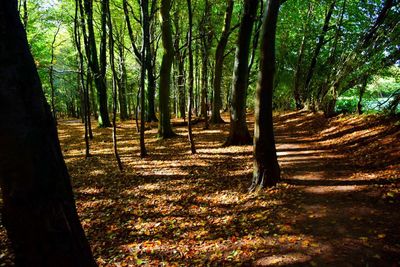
[122,82]
[238,132]
[145,44]
[83,88]
[360,97]
[164,124]
[151,79]
[93,61]
[190,134]
[297,72]
[180,55]
[320,44]
[219,62]
[266,167]
[39,211]
[206,35]
[51,77]
[114,82]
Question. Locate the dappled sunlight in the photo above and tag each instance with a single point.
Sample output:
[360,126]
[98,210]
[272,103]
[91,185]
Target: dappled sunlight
[173,208]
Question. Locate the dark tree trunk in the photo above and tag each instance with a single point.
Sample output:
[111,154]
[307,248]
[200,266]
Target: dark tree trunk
[204,86]
[190,134]
[181,88]
[87,103]
[25,12]
[104,120]
[114,82]
[266,167]
[145,44]
[219,62]
[361,94]
[122,82]
[151,79]
[83,88]
[197,94]
[238,132]
[51,77]
[180,55]
[93,61]
[39,211]
[206,35]
[164,124]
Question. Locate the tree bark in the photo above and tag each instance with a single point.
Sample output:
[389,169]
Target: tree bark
[51,77]
[266,167]
[206,35]
[164,124]
[180,55]
[219,62]
[97,70]
[122,82]
[81,81]
[238,132]
[39,210]
[145,44]
[114,82]
[190,134]
[151,79]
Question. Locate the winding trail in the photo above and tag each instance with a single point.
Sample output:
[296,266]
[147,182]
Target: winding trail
[334,198]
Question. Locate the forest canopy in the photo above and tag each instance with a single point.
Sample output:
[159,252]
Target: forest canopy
[334,56]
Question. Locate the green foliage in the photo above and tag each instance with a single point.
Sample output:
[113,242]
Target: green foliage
[342,62]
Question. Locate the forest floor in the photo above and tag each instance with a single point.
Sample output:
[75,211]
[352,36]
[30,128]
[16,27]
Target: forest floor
[338,203]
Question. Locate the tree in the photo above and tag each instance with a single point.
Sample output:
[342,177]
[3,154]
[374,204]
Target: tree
[98,68]
[51,76]
[317,49]
[150,64]
[266,167]
[144,7]
[239,133]
[190,134]
[114,81]
[206,36]
[219,62]
[39,210]
[164,124]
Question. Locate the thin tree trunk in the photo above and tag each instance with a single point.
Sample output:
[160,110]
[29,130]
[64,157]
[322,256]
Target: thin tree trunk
[93,61]
[84,88]
[219,62]
[39,211]
[88,112]
[122,82]
[206,35]
[151,79]
[318,48]
[360,96]
[114,81]
[239,133]
[145,44]
[266,167]
[190,134]
[25,16]
[51,76]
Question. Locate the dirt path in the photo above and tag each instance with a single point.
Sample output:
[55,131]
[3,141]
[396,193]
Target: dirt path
[338,203]
[346,208]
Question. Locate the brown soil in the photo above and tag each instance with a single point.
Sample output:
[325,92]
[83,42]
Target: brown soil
[338,204]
